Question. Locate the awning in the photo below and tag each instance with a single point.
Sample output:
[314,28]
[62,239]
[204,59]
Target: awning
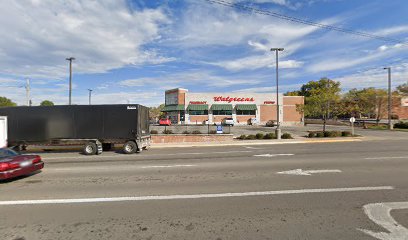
[245,106]
[172,108]
[227,107]
[197,107]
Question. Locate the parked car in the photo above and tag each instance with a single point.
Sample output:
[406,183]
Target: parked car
[228,122]
[271,123]
[13,164]
[164,122]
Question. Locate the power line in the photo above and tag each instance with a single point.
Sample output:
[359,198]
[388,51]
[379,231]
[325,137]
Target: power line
[305,22]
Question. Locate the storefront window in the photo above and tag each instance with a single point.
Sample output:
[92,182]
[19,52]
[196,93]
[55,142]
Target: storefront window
[195,112]
[222,112]
[246,112]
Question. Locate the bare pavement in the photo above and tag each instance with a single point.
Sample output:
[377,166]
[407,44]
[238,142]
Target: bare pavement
[343,190]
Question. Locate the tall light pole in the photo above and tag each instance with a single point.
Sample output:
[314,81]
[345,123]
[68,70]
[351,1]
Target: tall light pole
[90,95]
[28,89]
[278,130]
[70,77]
[389,98]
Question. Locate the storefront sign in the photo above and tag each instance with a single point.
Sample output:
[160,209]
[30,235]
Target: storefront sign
[198,102]
[233,99]
[269,102]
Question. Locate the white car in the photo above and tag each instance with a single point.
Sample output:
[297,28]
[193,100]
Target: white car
[228,122]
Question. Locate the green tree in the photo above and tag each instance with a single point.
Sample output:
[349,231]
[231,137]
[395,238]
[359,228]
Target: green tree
[5,102]
[321,99]
[403,89]
[292,93]
[46,103]
[156,112]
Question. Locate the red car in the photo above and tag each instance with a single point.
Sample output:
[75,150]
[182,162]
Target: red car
[164,122]
[13,164]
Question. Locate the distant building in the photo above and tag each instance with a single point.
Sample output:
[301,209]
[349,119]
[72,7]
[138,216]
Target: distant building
[399,108]
[181,106]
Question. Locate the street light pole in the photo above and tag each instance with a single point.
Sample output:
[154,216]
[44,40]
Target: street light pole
[90,96]
[390,127]
[278,130]
[70,77]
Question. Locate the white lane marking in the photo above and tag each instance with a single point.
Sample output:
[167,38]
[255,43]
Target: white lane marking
[193,196]
[151,155]
[387,157]
[116,168]
[308,172]
[380,214]
[273,155]
[254,148]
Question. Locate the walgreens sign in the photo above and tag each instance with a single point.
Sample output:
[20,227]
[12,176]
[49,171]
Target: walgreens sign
[233,99]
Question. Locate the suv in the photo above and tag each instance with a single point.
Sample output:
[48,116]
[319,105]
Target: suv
[228,122]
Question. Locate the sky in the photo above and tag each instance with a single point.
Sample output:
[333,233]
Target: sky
[131,51]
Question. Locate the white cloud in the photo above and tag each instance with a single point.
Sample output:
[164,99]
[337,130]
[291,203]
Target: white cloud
[37,36]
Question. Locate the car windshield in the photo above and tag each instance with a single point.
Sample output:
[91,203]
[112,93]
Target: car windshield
[7,153]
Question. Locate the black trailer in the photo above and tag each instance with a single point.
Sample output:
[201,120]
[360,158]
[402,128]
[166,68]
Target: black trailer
[93,126]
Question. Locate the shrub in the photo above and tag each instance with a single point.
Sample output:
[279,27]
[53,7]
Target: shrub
[403,125]
[345,134]
[186,132]
[242,137]
[213,132]
[259,136]
[312,135]
[154,132]
[196,132]
[337,133]
[269,136]
[250,137]
[320,134]
[167,131]
[286,136]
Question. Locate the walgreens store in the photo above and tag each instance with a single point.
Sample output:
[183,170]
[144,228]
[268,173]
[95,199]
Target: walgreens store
[184,107]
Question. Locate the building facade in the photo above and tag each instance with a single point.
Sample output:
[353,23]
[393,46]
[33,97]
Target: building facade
[244,108]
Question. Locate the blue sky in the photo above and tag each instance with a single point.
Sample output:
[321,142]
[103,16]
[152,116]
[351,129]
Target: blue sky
[132,51]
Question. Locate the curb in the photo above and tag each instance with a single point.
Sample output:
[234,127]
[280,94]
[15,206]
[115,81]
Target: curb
[212,144]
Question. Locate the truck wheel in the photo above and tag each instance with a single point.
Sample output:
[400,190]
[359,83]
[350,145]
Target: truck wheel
[129,147]
[90,148]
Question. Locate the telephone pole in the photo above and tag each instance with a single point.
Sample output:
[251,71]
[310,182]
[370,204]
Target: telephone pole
[278,130]
[28,88]
[390,126]
[90,96]
[70,77]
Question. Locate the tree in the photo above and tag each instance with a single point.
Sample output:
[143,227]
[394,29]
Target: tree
[403,89]
[321,99]
[5,102]
[156,112]
[292,93]
[46,103]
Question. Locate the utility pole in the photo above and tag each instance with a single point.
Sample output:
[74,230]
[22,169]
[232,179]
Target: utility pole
[70,77]
[278,130]
[28,88]
[90,96]
[390,126]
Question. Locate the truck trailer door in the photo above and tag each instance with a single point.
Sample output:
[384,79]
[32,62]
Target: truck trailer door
[3,132]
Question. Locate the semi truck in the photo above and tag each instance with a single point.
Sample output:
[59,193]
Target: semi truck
[94,127]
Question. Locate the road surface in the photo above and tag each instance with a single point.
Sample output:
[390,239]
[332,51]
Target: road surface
[354,190]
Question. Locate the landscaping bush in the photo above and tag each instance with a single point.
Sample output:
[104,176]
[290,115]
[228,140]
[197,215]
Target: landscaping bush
[154,132]
[242,137]
[186,132]
[345,134]
[403,125]
[337,133]
[269,136]
[167,131]
[312,135]
[259,136]
[250,137]
[286,136]
[213,132]
[320,134]
[196,132]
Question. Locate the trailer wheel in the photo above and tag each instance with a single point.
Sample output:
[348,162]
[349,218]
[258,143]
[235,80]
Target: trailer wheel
[129,147]
[90,148]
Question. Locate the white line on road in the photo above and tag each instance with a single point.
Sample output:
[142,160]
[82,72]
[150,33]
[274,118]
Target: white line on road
[168,166]
[308,172]
[274,155]
[380,214]
[387,157]
[193,196]
[151,155]
[117,168]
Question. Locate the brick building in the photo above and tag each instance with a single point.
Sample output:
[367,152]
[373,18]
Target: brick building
[182,106]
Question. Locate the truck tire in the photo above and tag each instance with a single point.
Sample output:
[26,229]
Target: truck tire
[90,148]
[129,147]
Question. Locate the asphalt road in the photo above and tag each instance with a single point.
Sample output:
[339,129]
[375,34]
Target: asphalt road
[215,193]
